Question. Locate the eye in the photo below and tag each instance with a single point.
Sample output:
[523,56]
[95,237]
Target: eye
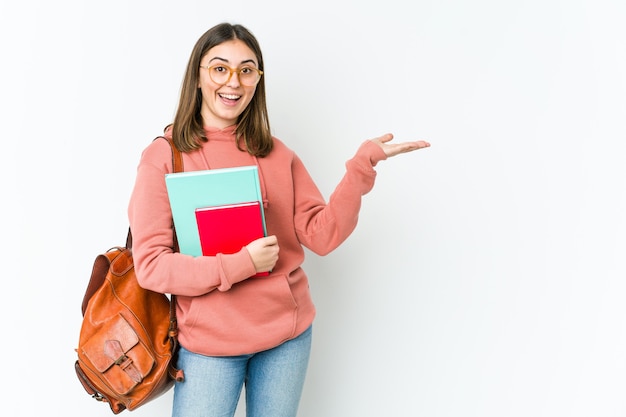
[247,70]
[219,69]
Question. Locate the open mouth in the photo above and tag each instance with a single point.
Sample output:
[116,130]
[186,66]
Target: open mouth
[230,97]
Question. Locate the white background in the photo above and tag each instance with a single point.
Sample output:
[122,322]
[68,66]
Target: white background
[486,277]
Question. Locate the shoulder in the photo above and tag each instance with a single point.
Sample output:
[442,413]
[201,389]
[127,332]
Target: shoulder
[158,153]
[280,146]
[281,150]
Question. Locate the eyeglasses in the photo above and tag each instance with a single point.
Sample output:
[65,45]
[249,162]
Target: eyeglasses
[220,74]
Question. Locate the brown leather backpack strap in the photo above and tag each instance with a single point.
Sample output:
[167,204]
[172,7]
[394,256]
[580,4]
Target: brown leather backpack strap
[177,156]
[129,240]
[175,373]
[177,166]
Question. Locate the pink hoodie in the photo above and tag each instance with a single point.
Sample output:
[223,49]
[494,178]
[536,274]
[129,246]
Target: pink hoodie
[220,311]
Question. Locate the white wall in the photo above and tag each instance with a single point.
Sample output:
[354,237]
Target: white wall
[486,277]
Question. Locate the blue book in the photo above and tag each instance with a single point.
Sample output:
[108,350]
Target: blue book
[193,190]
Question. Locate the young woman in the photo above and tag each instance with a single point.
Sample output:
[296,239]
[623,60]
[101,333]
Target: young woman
[234,330]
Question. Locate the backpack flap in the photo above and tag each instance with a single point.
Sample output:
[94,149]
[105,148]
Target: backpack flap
[116,353]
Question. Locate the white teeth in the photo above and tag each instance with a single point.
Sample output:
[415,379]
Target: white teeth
[230,96]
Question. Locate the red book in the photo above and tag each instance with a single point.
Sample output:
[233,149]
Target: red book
[227,228]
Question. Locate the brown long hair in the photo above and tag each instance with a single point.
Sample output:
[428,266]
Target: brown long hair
[253,127]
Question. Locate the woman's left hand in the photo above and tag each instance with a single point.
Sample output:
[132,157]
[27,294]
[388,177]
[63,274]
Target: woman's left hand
[393,149]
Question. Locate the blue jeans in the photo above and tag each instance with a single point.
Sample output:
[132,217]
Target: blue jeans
[273,379]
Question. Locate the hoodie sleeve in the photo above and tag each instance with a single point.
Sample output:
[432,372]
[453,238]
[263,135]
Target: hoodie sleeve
[321,226]
[157,266]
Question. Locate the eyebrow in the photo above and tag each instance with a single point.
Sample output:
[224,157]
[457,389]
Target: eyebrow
[247,61]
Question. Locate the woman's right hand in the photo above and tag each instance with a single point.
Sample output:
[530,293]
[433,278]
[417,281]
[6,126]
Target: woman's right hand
[264,253]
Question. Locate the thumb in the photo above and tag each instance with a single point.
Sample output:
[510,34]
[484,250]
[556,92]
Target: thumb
[271,240]
[385,138]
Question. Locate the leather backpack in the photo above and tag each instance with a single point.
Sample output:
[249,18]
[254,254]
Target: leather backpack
[128,338]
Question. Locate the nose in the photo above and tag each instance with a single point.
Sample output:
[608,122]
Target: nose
[234,80]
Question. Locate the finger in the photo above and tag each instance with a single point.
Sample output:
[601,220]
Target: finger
[420,144]
[405,147]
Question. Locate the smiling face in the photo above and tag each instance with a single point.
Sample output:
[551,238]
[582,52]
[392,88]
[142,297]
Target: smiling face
[223,103]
